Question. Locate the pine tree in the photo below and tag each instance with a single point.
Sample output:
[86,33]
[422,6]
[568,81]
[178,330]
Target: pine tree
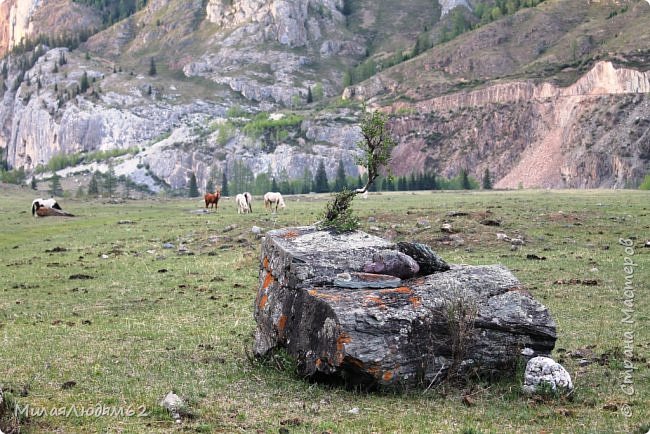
[55,185]
[310,97]
[464,180]
[487,180]
[34,184]
[274,185]
[127,186]
[341,181]
[306,181]
[193,190]
[110,180]
[209,187]
[152,67]
[321,184]
[224,184]
[93,185]
[83,84]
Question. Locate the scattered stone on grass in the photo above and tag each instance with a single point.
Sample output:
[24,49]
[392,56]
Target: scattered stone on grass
[490,222]
[545,372]
[168,246]
[80,277]
[68,385]
[447,228]
[173,404]
[56,250]
[534,257]
[586,282]
[456,240]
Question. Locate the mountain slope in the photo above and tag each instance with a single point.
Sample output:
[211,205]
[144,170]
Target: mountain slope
[551,96]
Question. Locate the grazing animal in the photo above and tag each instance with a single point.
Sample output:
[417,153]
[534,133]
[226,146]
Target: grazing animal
[47,208]
[249,201]
[273,198]
[212,200]
[242,204]
[48,203]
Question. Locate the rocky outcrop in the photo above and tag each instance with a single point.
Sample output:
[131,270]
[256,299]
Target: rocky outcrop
[389,332]
[448,5]
[588,135]
[24,19]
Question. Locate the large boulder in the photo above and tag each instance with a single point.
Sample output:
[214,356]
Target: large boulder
[383,330]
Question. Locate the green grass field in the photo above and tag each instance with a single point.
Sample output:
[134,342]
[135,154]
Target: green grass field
[94,311]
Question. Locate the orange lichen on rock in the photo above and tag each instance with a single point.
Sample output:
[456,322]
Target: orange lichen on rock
[265,263]
[282,322]
[267,280]
[263,301]
[415,301]
[290,234]
[376,300]
[388,375]
[343,339]
[400,290]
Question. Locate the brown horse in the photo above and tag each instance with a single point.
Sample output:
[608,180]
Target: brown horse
[212,199]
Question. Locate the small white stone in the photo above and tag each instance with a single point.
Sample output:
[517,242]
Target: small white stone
[540,370]
[354,410]
[527,351]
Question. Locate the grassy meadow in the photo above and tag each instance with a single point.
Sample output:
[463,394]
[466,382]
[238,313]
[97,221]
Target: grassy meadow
[95,311]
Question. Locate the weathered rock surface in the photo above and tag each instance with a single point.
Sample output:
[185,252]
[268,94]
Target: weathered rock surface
[428,260]
[544,370]
[406,335]
[393,263]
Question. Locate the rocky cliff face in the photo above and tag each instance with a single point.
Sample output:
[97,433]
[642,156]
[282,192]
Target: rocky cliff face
[591,134]
[268,55]
[25,19]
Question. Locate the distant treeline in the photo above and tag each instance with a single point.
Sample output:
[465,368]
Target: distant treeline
[241,178]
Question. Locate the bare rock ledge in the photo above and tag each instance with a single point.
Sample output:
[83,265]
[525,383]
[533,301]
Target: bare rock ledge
[467,320]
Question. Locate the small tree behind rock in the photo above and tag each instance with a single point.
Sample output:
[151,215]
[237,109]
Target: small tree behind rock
[55,185]
[377,145]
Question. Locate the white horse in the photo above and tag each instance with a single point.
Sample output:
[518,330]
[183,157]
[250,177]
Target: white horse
[44,203]
[243,202]
[272,198]
[249,201]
